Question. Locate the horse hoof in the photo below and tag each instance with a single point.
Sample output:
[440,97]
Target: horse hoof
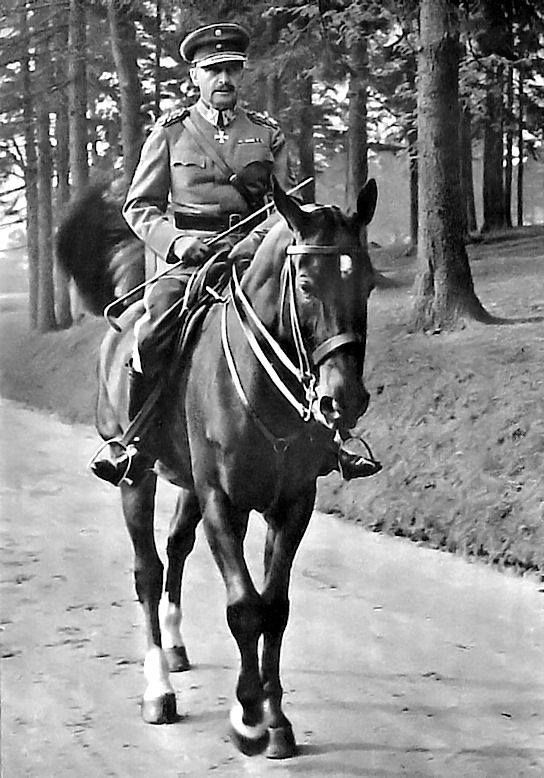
[177,659]
[281,743]
[161,710]
[249,746]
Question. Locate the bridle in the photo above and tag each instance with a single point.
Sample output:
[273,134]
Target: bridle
[302,369]
[324,349]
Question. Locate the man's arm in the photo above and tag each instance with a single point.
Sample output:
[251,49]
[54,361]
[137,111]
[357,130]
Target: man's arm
[147,202]
[147,198]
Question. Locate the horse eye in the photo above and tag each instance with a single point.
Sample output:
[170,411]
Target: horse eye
[346,265]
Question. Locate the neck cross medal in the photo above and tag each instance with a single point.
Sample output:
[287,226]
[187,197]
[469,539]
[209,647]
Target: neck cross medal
[221,135]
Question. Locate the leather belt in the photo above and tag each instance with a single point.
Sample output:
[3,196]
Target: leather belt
[186,221]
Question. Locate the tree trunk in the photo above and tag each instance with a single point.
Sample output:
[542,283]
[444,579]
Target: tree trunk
[305,138]
[62,138]
[157,40]
[411,135]
[521,121]
[124,48]
[77,95]
[467,177]
[444,287]
[31,180]
[414,176]
[272,94]
[493,182]
[509,147]
[46,289]
[357,149]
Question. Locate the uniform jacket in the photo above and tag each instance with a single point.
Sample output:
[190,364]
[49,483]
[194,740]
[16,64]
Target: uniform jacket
[174,174]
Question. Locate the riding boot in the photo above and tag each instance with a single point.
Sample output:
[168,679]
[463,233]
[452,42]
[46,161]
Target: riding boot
[348,463]
[131,463]
[353,465]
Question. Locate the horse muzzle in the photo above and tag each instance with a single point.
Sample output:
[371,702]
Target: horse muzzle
[333,414]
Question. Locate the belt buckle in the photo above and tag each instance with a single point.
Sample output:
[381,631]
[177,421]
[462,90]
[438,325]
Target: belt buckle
[234,219]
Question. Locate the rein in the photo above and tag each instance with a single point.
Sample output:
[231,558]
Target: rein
[302,371]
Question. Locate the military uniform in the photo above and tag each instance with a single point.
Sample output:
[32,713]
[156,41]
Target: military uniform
[176,178]
[179,192]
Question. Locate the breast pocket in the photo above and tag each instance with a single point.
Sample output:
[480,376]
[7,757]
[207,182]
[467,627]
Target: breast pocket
[246,153]
[188,170]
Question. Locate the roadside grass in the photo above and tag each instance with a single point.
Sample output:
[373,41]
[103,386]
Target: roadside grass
[457,419]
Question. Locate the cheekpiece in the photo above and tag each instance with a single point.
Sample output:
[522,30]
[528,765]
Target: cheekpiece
[215,43]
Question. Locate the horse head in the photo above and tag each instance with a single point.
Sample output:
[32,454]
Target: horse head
[331,279]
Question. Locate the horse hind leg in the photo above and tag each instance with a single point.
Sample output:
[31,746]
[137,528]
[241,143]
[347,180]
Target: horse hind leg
[159,700]
[181,540]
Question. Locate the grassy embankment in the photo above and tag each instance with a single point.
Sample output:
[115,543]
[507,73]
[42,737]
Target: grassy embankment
[456,418]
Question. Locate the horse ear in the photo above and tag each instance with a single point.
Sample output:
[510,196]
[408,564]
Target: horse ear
[288,207]
[366,202]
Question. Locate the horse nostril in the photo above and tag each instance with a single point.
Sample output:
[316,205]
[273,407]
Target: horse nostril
[329,407]
[326,406]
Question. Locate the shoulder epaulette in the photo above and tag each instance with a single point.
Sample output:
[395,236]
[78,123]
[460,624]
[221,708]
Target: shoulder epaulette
[171,117]
[258,117]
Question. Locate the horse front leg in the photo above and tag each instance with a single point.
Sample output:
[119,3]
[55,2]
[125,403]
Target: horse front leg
[225,530]
[282,541]
[181,540]
[159,700]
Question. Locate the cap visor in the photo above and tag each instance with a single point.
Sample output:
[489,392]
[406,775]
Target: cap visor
[224,56]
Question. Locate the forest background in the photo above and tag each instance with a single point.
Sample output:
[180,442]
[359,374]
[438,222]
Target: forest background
[427,86]
[82,82]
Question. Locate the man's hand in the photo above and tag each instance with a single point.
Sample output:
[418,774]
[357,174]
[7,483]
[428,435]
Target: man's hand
[193,251]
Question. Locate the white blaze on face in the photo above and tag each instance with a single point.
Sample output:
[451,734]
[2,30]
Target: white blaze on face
[346,265]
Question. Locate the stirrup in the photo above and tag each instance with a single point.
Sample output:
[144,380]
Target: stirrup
[108,470]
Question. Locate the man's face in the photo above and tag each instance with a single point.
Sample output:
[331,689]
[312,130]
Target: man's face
[218,83]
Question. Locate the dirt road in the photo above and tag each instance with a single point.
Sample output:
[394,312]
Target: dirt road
[397,661]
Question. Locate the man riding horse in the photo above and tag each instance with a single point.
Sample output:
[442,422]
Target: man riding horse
[200,172]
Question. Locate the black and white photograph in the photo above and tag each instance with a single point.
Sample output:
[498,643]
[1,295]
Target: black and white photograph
[272,388]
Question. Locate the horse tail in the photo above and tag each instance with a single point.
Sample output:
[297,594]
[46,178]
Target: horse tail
[96,247]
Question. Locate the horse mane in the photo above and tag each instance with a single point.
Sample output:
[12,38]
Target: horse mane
[96,247]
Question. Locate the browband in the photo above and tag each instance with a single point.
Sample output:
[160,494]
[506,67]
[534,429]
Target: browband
[306,248]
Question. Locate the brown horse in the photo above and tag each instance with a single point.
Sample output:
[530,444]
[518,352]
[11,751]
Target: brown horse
[275,370]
